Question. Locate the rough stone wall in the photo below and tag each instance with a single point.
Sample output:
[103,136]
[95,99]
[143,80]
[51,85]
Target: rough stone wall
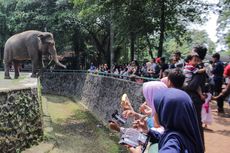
[100,94]
[20,119]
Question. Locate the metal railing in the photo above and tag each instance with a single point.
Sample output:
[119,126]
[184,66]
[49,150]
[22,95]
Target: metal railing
[119,76]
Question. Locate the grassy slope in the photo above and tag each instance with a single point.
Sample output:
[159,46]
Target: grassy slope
[76,129]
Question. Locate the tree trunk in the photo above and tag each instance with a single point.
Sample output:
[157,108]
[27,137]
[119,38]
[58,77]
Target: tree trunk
[1,53]
[150,47]
[77,48]
[132,45]
[111,46]
[162,28]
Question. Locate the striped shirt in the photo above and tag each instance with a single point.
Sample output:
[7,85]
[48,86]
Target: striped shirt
[189,71]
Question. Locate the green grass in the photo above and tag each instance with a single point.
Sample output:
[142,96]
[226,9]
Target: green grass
[76,129]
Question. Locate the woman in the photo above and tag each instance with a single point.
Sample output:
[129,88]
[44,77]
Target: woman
[177,115]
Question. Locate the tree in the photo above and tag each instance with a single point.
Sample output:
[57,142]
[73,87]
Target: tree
[224,22]
[188,41]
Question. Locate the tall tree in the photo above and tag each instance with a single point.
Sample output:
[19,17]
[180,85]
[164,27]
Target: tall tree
[223,31]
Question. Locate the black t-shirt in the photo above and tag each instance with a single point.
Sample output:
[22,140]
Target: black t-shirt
[164,67]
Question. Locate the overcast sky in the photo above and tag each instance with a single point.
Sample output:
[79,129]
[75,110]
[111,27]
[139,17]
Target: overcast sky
[211,25]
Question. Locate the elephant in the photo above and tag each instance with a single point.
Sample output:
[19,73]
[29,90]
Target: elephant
[29,45]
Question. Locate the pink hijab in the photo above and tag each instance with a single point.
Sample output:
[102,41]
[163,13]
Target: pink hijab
[165,80]
[149,91]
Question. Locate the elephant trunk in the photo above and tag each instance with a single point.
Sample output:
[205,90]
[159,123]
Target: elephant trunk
[57,61]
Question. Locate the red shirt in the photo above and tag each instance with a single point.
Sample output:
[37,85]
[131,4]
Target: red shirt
[227,71]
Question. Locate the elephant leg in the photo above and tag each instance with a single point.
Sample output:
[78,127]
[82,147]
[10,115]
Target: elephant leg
[34,67]
[16,69]
[7,70]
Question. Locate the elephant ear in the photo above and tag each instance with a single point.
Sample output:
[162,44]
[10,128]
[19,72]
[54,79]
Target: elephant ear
[42,37]
[45,38]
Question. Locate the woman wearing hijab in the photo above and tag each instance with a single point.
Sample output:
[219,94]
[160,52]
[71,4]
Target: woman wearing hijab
[177,115]
[149,91]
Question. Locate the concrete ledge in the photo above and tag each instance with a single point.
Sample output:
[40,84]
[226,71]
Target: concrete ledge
[41,148]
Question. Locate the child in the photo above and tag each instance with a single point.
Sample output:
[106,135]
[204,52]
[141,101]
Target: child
[206,113]
[190,70]
[176,78]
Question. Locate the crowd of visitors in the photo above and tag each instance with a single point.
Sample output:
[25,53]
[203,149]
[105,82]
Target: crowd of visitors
[177,106]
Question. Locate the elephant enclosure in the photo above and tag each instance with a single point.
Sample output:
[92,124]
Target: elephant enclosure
[75,129]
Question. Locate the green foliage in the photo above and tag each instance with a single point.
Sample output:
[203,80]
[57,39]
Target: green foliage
[188,41]
[85,26]
[224,22]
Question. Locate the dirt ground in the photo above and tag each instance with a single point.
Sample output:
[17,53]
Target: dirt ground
[217,136]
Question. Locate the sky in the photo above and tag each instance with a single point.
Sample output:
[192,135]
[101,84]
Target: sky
[211,25]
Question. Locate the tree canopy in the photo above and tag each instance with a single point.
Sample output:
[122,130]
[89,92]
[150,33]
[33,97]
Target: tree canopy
[95,29]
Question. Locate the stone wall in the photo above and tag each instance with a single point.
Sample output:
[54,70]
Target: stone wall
[100,94]
[20,119]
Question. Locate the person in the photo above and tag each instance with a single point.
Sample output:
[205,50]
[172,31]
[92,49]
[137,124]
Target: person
[150,70]
[176,79]
[198,81]
[155,68]
[150,89]
[218,69]
[191,69]
[226,91]
[206,114]
[175,112]
[179,62]
[92,68]
[165,77]
[172,63]
[163,67]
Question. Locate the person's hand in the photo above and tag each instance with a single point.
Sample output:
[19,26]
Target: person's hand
[214,97]
[129,113]
[135,150]
[141,125]
[145,109]
[125,103]
[202,97]
[114,126]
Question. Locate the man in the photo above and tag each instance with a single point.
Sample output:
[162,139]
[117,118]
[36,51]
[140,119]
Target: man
[163,66]
[226,91]
[179,62]
[155,68]
[218,69]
